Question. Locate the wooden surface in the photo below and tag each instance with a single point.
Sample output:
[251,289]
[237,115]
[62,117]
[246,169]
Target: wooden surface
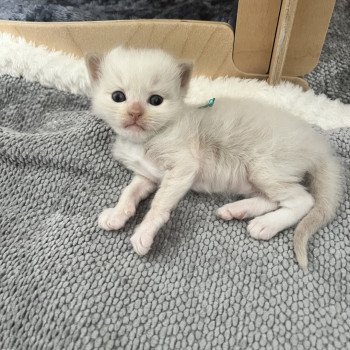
[255,34]
[257,24]
[308,35]
[280,47]
[208,44]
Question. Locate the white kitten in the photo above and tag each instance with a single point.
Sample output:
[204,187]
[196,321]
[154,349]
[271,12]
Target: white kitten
[284,168]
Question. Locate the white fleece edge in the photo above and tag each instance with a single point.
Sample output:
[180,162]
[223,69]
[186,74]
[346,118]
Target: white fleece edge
[68,73]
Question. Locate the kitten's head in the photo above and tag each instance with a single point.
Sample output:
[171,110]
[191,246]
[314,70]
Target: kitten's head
[138,91]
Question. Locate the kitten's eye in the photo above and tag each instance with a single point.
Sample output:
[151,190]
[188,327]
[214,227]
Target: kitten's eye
[155,100]
[118,96]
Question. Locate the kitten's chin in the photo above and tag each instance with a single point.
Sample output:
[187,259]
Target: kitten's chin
[134,133]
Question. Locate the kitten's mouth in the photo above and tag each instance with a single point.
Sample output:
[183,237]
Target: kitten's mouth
[133,126]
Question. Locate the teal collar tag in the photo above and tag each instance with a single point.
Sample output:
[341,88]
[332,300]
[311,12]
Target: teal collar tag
[210,103]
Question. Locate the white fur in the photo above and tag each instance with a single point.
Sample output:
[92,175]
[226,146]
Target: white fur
[68,73]
[246,208]
[290,212]
[37,63]
[115,218]
[133,156]
[138,84]
[237,146]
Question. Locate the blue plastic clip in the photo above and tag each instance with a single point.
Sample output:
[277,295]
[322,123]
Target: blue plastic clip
[210,103]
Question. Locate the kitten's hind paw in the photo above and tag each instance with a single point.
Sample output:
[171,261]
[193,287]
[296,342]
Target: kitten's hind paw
[231,211]
[261,228]
[112,219]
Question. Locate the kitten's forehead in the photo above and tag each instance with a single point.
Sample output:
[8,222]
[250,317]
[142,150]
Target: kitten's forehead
[141,67]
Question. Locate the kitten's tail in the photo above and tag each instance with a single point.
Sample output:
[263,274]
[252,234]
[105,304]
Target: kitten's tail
[325,187]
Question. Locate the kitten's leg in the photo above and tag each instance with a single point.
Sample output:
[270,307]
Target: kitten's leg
[246,208]
[115,218]
[173,187]
[295,203]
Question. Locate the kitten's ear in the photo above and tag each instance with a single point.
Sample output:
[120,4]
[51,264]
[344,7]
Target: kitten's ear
[93,64]
[185,73]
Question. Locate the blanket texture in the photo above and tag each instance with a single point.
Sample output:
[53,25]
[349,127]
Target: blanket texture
[66,284]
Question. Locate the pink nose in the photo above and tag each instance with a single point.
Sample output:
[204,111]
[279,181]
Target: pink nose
[135,110]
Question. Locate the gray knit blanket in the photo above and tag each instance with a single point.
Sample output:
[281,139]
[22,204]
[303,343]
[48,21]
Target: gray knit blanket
[66,284]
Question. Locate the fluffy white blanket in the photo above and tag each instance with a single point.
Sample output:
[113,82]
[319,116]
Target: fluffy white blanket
[68,73]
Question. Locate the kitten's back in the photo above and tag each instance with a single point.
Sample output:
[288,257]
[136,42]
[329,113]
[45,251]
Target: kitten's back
[256,130]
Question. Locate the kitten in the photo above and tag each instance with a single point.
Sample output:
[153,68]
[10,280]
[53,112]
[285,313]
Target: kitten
[236,147]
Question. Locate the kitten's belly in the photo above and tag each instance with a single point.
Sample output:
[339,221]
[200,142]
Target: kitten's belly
[216,180]
[231,188]
[211,178]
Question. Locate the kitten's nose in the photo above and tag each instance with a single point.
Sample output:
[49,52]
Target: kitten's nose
[135,110]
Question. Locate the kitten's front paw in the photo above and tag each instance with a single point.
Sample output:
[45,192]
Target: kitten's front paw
[141,241]
[261,228]
[112,219]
